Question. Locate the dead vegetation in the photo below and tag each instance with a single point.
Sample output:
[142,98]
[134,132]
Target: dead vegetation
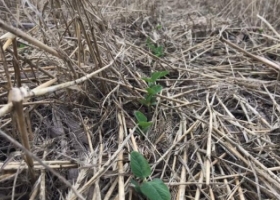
[67,133]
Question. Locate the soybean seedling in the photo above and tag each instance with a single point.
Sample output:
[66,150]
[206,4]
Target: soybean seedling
[159,27]
[153,88]
[157,50]
[154,189]
[142,121]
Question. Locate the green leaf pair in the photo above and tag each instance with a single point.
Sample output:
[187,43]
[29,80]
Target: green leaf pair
[155,76]
[157,50]
[153,88]
[154,189]
[142,121]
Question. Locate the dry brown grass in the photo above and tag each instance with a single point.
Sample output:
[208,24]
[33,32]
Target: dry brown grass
[216,125]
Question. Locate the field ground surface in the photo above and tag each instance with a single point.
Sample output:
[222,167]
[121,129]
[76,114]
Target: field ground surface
[71,80]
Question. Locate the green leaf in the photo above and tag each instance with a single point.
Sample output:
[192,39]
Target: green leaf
[153,103]
[141,132]
[150,99]
[155,190]
[144,130]
[154,89]
[148,80]
[159,51]
[144,125]
[144,102]
[149,43]
[136,185]
[157,75]
[159,26]
[21,45]
[150,91]
[139,165]
[151,84]
[140,116]
[157,88]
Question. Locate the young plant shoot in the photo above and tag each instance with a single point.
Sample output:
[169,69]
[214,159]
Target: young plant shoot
[154,189]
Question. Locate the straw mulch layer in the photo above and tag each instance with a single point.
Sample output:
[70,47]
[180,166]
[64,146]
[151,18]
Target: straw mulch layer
[215,132]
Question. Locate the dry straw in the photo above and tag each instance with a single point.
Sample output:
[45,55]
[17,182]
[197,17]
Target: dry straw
[75,78]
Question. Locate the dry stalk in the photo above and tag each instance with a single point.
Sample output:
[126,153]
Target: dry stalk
[35,189]
[199,187]
[238,162]
[209,141]
[16,64]
[8,107]
[55,164]
[111,190]
[34,66]
[182,188]
[260,168]
[86,129]
[97,189]
[121,192]
[42,91]
[252,109]
[258,58]
[6,69]
[29,153]
[16,97]
[105,167]
[269,25]
[31,40]
[184,103]
[42,194]
[226,182]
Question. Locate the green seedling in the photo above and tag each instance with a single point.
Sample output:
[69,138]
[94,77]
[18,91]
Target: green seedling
[154,189]
[153,89]
[159,27]
[142,121]
[157,50]
[21,46]
[154,77]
